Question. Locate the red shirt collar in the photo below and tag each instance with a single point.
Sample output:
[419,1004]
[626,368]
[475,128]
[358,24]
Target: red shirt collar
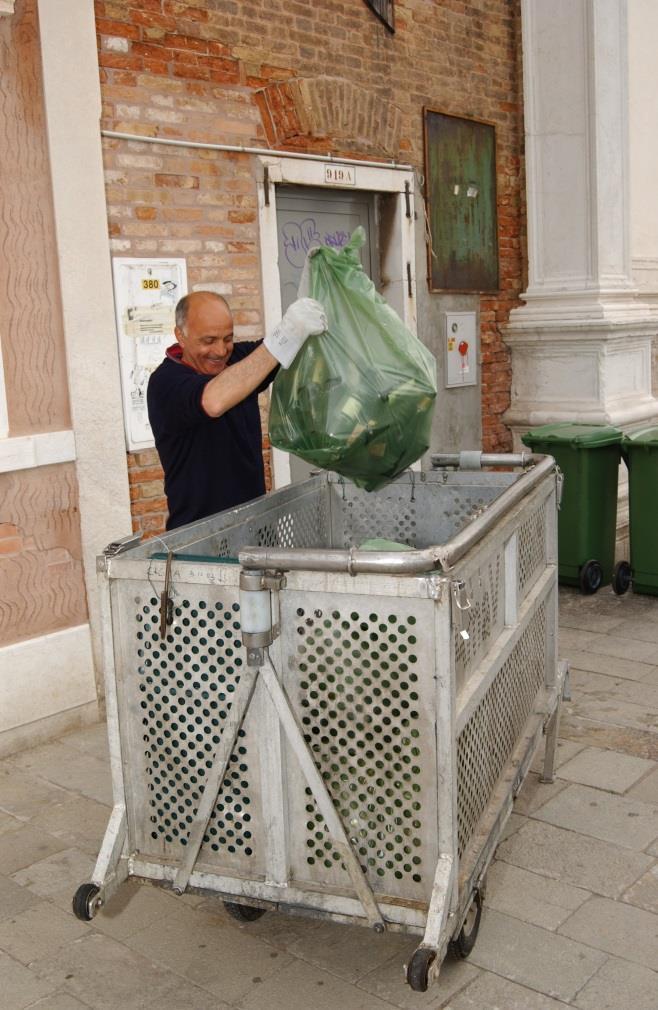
[175,352]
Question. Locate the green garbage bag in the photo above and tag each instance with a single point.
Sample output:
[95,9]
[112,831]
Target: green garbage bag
[359,398]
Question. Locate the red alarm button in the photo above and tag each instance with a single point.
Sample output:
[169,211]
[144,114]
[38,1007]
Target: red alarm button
[463,348]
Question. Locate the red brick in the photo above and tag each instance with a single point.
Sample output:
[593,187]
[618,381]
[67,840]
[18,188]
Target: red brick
[177,181]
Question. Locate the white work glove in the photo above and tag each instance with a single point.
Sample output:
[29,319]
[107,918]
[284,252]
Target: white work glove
[302,319]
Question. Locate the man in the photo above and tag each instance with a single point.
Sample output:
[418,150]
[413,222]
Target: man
[203,403]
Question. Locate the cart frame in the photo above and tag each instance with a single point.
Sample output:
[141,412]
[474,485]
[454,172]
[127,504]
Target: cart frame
[399,836]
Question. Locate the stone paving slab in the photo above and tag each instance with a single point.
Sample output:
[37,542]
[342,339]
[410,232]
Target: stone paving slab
[60,1000]
[534,793]
[78,822]
[531,897]
[14,899]
[616,928]
[644,893]
[605,769]
[105,974]
[491,992]
[647,789]
[587,731]
[309,987]
[619,985]
[21,987]
[606,644]
[210,951]
[61,765]
[20,849]
[576,859]
[613,711]
[566,749]
[23,796]
[642,630]
[610,688]
[611,666]
[625,822]
[57,877]
[39,932]
[539,959]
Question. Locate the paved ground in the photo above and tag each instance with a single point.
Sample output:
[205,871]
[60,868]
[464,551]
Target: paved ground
[572,904]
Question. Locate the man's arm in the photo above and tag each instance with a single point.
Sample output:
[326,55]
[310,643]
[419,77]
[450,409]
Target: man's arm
[236,382]
[303,318]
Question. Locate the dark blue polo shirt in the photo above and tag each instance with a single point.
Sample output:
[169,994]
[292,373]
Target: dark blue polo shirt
[210,463]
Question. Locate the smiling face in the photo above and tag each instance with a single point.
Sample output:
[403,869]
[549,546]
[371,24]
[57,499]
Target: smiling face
[207,336]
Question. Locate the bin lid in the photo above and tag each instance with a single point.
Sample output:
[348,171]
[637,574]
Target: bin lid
[578,436]
[645,437]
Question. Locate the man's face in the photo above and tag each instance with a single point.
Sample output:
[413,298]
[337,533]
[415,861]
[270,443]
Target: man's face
[207,338]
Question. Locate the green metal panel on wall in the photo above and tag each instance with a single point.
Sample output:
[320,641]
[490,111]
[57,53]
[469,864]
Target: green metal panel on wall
[460,173]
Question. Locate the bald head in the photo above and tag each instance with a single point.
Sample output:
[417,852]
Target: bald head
[204,330]
[195,300]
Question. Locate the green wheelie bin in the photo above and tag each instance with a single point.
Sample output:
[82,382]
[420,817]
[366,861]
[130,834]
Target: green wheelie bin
[588,456]
[640,448]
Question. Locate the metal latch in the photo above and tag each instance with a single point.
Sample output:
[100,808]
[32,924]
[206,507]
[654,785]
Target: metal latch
[166,602]
[462,605]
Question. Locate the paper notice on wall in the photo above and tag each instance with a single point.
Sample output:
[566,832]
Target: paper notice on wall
[145,297]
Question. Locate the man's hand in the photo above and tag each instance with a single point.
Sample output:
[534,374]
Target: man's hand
[303,318]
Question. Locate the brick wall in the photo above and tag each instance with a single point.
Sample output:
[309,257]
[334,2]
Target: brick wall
[304,76]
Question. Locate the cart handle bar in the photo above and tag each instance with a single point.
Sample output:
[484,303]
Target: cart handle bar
[411,562]
[475,460]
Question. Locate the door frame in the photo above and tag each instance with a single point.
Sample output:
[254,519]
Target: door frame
[398,264]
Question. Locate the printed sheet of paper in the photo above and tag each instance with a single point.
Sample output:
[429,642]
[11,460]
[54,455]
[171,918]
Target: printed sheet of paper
[145,297]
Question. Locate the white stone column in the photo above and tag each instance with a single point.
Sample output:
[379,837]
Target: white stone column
[581,343]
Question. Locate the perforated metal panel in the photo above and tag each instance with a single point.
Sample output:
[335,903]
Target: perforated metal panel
[182,688]
[491,734]
[483,620]
[532,549]
[411,511]
[362,686]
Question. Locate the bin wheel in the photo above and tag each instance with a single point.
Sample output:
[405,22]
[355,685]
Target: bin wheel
[243,913]
[85,903]
[418,969]
[462,945]
[621,578]
[590,577]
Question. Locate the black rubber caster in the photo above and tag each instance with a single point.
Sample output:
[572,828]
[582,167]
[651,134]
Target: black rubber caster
[85,903]
[462,945]
[590,577]
[418,969]
[244,913]
[621,578]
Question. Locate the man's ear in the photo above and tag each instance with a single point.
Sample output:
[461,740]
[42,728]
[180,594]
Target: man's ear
[180,336]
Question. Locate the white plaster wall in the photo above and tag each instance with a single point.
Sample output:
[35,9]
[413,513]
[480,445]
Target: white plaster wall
[643,115]
[73,103]
[50,674]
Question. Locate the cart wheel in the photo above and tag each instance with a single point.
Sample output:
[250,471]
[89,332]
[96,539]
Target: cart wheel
[463,943]
[418,969]
[621,578]
[84,902]
[590,577]
[244,913]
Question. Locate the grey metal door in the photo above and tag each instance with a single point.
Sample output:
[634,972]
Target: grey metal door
[306,217]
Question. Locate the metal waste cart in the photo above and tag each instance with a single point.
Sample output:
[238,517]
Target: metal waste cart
[296,723]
